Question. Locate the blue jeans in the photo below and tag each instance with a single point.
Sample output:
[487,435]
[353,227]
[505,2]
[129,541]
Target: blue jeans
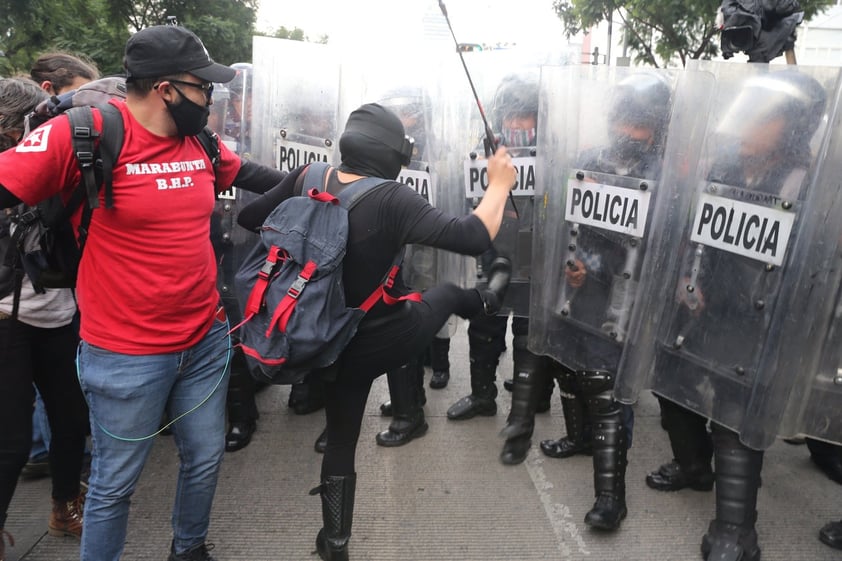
[127,396]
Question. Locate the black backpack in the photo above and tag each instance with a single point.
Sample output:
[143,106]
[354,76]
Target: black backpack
[42,243]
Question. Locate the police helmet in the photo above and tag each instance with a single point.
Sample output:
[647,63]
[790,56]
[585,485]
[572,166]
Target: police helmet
[516,96]
[797,97]
[642,99]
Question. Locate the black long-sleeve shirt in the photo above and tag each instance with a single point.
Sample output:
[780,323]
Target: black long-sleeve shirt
[379,226]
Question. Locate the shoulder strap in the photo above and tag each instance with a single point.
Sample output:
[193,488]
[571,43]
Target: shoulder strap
[316,174]
[110,145]
[96,161]
[210,142]
[83,133]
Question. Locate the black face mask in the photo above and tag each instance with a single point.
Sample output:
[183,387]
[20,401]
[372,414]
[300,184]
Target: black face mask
[628,150]
[190,118]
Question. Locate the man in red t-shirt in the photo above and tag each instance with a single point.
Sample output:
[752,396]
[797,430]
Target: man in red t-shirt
[152,341]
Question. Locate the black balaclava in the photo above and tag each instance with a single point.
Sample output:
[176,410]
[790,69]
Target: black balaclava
[372,141]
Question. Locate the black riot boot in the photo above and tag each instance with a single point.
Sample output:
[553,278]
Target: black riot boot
[440,362]
[577,423]
[242,409]
[692,451]
[486,340]
[405,386]
[307,396]
[386,409]
[731,535]
[609,462]
[337,492]
[610,448]
[481,401]
[529,379]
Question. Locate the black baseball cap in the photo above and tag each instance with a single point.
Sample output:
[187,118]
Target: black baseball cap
[162,50]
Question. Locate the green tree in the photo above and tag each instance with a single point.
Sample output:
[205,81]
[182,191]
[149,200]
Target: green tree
[657,31]
[29,28]
[225,26]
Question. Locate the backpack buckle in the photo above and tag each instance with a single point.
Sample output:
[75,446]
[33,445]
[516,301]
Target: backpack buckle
[86,159]
[266,270]
[29,217]
[296,288]
[275,254]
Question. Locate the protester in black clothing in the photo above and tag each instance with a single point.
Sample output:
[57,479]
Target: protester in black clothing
[374,144]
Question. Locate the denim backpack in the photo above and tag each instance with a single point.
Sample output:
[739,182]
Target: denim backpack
[290,286]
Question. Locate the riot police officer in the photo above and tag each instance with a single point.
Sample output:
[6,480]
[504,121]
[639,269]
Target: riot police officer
[761,151]
[600,277]
[515,115]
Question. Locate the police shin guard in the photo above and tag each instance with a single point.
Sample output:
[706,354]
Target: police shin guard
[578,439]
[692,451]
[731,535]
[529,379]
[337,493]
[406,385]
[610,448]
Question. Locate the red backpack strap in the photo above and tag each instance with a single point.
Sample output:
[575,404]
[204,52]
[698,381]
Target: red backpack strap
[287,304]
[380,292]
[258,292]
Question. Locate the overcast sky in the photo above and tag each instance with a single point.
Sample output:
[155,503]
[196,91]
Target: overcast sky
[473,21]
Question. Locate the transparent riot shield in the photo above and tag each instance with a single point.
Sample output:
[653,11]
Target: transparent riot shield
[815,408]
[231,119]
[408,91]
[296,97]
[603,142]
[724,335]
[509,86]
[815,400]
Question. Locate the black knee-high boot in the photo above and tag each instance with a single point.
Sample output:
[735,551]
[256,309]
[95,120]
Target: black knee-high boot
[486,339]
[692,450]
[337,493]
[529,380]
[406,384]
[731,535]
[610,447]
[577,423]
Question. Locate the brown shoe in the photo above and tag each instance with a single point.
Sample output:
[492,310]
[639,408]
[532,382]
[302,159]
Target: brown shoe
[66,518]
[4,535]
